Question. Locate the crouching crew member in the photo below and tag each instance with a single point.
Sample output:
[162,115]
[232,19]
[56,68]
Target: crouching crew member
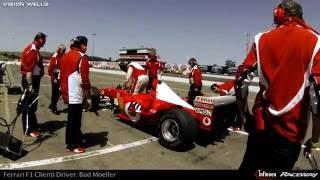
[75,89]
[54,73]
[136,78]
[231,112]
[226,88]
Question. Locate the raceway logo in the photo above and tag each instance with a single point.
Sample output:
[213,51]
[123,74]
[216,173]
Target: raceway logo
[299,174]
[262,175]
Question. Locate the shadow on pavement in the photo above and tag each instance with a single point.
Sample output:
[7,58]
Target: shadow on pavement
[153,130]
[48,130]
[52,126]
[94,139]
[220,132]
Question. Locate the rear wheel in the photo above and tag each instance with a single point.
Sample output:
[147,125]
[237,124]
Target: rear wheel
[178,128]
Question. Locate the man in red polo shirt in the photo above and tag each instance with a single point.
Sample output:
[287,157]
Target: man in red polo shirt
[286,57]
[32,70]
[136,78]
[75,89]
[154,69]
[226,88]
[195,79]
[54,73]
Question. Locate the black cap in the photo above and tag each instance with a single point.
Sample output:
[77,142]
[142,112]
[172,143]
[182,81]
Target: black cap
[40,35]
[77,41]
[192,61]
[123,64]
[292,8]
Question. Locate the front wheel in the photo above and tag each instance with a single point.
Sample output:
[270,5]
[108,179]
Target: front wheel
[178,128]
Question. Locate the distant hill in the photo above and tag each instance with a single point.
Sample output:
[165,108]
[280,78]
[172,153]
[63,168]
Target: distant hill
[9,56]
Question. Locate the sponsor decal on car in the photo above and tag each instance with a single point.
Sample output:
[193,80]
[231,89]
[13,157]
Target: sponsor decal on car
[203,105]
[203,99]
[202,111]
[133,110]
[206,121]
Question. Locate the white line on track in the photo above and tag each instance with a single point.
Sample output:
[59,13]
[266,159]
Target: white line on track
[238,132]
[56,160]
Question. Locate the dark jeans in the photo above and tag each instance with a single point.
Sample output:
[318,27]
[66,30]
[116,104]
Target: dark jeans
[269,151]
[193,94]
[73,129]
[1,75]
[31,112]
[227,116]
[149,85]
[55,94]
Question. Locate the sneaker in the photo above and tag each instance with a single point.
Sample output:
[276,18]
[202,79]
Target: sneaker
[54,110]
[35,134]
[76,150]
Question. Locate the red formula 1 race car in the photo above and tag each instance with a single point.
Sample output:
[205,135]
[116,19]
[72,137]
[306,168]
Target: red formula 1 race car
[178,121]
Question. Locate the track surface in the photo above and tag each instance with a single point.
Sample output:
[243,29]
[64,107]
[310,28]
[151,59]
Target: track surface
[112,143]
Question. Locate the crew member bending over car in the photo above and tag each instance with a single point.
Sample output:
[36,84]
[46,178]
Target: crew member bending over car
[231,112]
[136,78]
[226,88]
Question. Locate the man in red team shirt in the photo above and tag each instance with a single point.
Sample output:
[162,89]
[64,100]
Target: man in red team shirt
[286,57]
[154,70]
[75,89]
[136,77]
[226,88]
[54,73]
[195,79]
[32,71]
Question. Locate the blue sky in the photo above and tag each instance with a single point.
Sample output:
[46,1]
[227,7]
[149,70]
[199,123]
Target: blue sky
[210,30]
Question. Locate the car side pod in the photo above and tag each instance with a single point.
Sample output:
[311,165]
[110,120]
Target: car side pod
[205,107]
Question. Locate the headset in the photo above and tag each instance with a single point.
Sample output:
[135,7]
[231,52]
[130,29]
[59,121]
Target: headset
[279,14]
[294,11]
[286,9]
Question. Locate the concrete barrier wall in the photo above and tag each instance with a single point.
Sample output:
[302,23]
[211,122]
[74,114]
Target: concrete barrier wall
[167,78]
